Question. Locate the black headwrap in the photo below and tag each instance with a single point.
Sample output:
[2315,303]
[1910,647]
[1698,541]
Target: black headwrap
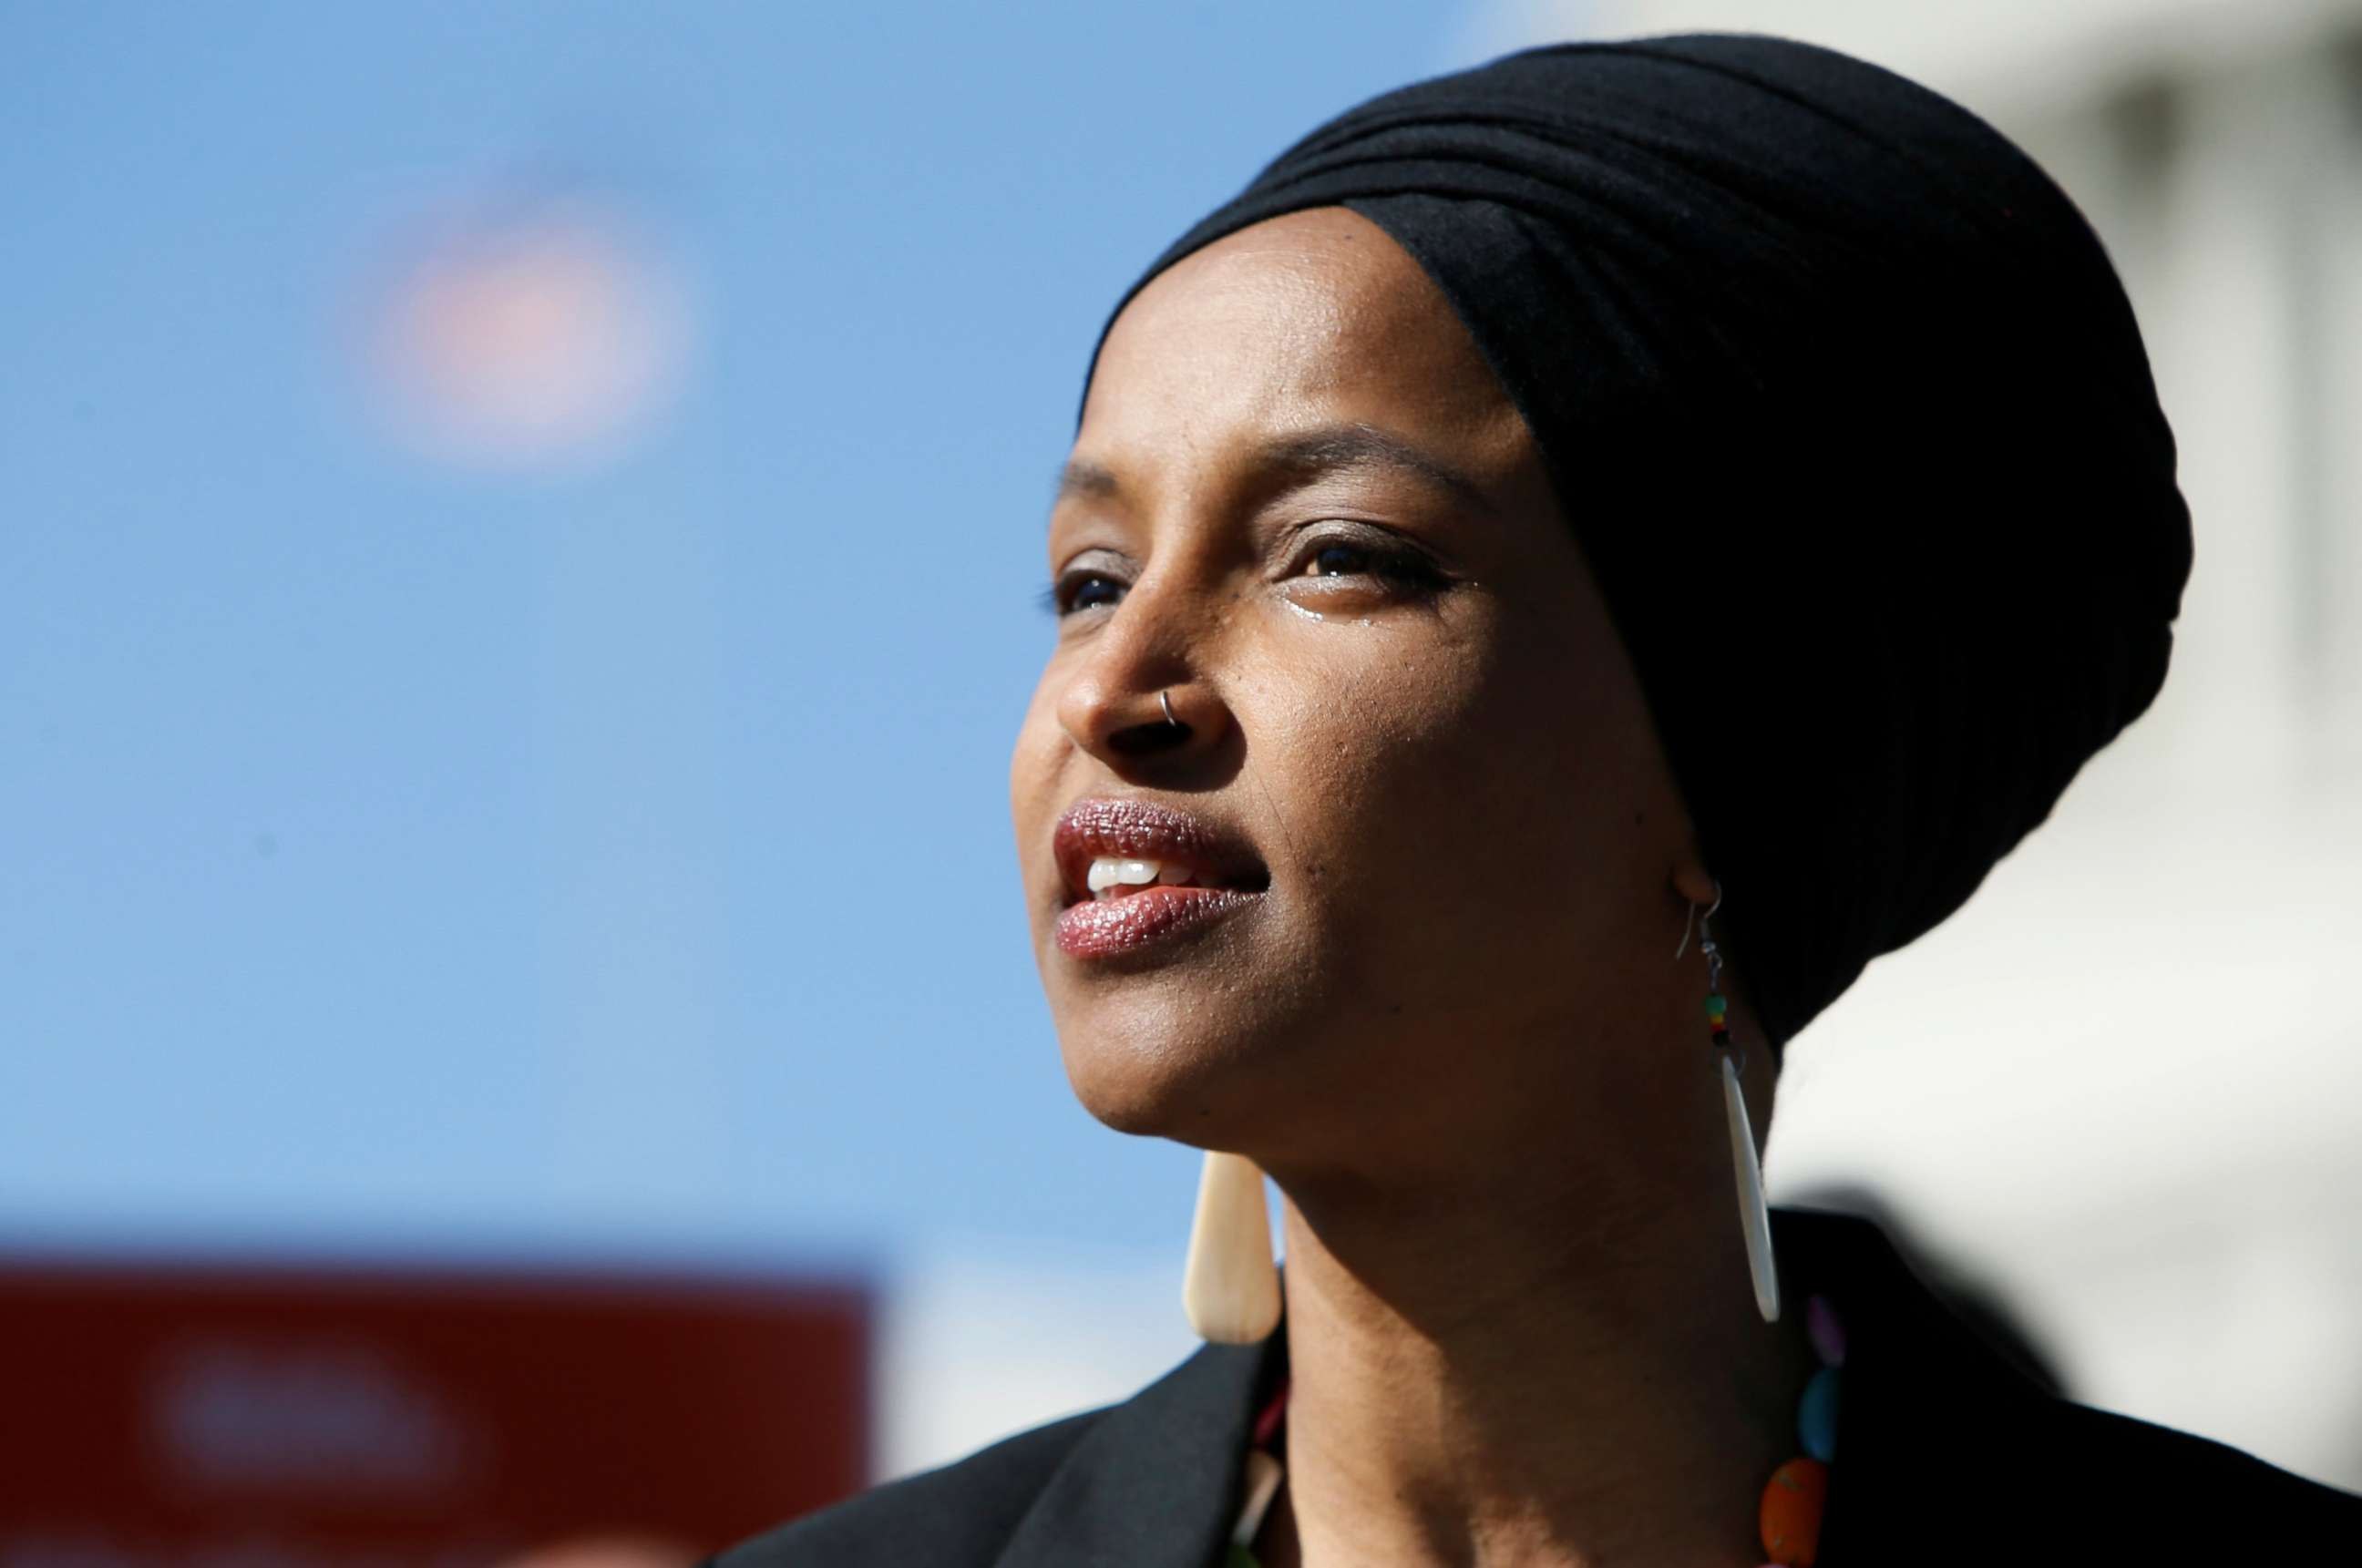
[1849,414]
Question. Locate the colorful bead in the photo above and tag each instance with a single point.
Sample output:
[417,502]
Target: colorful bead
[1791,1514]
[1816,1415]
[1827,1334]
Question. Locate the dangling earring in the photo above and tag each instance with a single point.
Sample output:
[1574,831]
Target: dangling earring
[1231,1289]
[1754,1218]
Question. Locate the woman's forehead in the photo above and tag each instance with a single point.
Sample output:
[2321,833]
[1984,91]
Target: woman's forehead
[1282,330]
[1305,454]
[1312,306]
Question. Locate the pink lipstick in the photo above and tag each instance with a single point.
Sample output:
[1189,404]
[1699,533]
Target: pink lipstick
[1159,872]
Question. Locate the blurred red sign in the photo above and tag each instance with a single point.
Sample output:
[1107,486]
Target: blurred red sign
[277,1417]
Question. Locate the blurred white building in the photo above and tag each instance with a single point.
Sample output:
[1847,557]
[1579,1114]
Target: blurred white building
[2125,1084]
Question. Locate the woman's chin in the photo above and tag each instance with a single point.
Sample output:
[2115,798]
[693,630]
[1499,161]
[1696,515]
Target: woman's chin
[1173,1087]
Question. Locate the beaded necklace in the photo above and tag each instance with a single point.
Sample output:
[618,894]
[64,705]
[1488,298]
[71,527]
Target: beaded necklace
[1789,1514]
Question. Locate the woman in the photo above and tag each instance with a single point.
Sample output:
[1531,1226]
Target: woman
[1577,558]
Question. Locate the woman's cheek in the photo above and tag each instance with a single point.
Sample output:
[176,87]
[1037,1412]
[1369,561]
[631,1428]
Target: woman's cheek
[1394,753]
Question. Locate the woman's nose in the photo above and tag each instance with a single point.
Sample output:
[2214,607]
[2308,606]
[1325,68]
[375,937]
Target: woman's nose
[1137,700]
[1127,728]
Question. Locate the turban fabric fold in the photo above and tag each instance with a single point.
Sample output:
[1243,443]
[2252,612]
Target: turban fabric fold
[1849,414]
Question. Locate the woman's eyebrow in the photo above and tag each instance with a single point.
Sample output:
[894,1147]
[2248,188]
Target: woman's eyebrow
[1303,455]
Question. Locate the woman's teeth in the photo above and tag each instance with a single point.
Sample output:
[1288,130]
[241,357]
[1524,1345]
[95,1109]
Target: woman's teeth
[1108,873]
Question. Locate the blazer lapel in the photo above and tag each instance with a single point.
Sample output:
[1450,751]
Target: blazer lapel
[1157,1480]
[1928,1405]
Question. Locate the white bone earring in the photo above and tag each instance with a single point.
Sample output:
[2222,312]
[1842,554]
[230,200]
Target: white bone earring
[1754,1216]
[1231,1289]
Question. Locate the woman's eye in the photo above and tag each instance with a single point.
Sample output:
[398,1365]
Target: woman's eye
[1093,590]
[1400,568]
[1081,591]
[1405,569]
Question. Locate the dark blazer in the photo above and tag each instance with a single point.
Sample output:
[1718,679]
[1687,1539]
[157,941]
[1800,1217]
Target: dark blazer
[1948,1455]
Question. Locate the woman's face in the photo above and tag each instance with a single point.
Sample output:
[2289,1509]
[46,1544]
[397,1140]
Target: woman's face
[1429,840]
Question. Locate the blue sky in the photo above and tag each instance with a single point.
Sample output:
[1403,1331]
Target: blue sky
[608,854]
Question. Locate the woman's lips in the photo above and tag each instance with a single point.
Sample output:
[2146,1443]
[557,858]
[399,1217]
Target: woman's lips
[1206,871]
[1100,928]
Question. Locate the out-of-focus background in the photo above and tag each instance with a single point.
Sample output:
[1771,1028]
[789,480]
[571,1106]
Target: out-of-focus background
[518,527]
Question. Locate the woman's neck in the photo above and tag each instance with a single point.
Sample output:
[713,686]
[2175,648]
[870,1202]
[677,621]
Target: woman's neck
[1528,1371]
